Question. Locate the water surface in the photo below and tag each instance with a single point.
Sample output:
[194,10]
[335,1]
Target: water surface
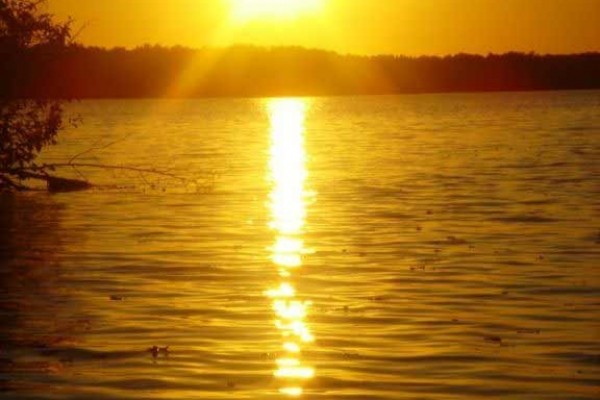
[401,247]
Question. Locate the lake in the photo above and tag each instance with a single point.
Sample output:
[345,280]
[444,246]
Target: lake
[385,247]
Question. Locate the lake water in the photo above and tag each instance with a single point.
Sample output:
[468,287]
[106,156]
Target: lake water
[401,247]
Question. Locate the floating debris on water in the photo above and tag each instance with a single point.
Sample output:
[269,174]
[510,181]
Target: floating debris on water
[493,339]
[156,351]
[350,354]
[455,240]
[527,330]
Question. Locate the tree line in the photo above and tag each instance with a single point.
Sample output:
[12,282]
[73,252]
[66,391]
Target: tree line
[155,71]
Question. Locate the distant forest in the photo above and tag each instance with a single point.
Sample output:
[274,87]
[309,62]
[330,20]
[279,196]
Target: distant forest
[154,71]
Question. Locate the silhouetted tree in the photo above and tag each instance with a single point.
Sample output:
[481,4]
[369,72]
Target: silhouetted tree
[30,42]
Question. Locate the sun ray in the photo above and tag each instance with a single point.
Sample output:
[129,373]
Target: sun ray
[244,11]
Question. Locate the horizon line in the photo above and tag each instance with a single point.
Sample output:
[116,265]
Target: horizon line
[339,53]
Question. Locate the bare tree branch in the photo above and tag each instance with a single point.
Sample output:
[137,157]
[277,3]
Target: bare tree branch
[103,147]
[153,171]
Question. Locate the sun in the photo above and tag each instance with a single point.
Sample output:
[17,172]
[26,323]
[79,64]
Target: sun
[244,11]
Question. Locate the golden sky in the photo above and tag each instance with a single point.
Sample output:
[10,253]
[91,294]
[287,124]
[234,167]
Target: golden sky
[412,27]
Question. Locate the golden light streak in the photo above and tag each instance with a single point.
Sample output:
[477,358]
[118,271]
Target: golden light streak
[288,202]
[291,347]
[284,290]
[295,372]
[292,391]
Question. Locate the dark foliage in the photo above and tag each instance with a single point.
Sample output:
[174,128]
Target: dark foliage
[30,45]
[153,71]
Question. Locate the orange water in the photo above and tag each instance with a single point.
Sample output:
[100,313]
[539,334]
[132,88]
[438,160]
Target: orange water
[407,247]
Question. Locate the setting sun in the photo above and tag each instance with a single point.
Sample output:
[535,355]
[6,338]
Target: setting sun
[250,10]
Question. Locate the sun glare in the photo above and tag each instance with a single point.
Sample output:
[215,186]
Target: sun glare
[288,201]
[250,10]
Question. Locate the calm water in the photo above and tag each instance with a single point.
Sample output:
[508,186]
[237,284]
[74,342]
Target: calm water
[409,247]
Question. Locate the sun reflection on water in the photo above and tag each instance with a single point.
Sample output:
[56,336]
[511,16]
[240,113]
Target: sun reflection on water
[288,201]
